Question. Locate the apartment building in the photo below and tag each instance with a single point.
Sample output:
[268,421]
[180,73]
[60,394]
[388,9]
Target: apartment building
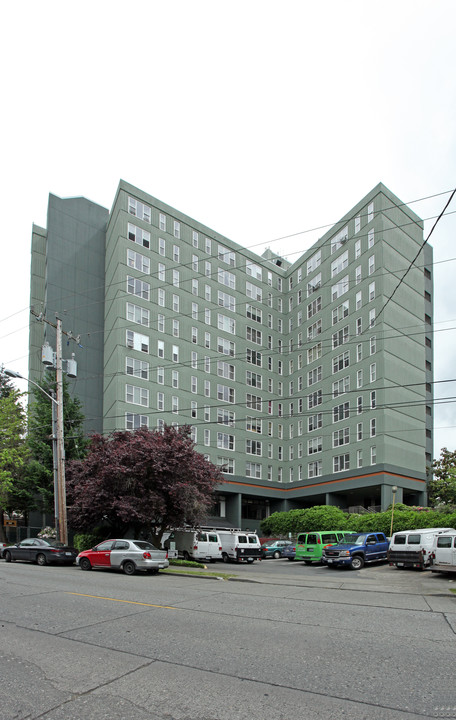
[307,382]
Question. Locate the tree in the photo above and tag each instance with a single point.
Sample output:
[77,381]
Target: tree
[319,517]
[13,449]
[40,469]
[145,481]
[442,488]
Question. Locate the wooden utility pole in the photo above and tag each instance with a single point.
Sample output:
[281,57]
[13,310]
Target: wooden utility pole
[63,529]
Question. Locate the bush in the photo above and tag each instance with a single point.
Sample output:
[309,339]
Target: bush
[85,541]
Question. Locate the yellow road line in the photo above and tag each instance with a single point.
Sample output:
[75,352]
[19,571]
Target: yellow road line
[131,602]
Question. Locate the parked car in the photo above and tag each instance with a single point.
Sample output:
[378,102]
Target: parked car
[126,555]
[356,550]
[443,553]
[2,548]
[289,551]
[273,549]
[41,551]
[198,545]
[412,548]
[310,546]
[239,545]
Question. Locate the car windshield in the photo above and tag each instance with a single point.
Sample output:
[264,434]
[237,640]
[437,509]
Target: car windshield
[143,545]
[353,539]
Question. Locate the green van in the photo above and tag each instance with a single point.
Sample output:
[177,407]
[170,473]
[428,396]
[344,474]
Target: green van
[309,546]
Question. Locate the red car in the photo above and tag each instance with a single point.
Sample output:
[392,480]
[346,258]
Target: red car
[126,555]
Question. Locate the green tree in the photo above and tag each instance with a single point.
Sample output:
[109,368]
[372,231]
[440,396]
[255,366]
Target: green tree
[442,488]
[13,448]
[319,517]
[40,472]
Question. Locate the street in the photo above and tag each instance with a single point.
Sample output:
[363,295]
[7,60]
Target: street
[283,642]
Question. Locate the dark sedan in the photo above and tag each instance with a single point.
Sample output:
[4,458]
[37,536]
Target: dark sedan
[41,552]
[289,552]
[274,548]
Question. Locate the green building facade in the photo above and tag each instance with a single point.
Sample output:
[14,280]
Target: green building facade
[309,383]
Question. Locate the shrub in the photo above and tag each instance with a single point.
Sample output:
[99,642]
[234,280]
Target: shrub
[85,541]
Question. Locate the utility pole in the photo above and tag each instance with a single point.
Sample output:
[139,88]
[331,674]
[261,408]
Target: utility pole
[63,530]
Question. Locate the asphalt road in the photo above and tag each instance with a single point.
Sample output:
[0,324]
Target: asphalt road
[281,642]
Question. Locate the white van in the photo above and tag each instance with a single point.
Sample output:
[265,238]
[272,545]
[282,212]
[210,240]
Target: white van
[198,545]
[443,555]
[238,546]
[412,548]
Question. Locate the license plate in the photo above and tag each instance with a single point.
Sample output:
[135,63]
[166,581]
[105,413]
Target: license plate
[329,560]
[400,564]
[68,553]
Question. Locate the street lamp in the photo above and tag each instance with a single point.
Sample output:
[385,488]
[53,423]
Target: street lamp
[394,491]
[58,451]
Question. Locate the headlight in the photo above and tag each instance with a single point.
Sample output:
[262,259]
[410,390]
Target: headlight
[344,552]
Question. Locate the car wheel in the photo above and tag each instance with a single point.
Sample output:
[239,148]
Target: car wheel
[276,555]
[129,567]
[41,559]
[7,556]
[357,563]
[85,564]
[153,572]
[290,559]
[186,556]
[307,562]
[225,558]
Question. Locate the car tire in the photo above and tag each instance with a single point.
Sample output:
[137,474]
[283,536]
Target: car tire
[41,559]
[307,562]
[129,567]
[186,556]
[7,556]
[85,564]
[225,558]
[153,572]
[277,555]
[290,559]
[357,563]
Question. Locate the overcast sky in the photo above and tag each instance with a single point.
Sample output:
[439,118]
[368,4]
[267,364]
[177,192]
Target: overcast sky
[259,119]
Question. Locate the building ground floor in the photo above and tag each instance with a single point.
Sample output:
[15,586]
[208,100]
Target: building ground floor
[243,503]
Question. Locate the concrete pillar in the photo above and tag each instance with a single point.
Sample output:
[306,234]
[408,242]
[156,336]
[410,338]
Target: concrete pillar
[332,499]
[387,496]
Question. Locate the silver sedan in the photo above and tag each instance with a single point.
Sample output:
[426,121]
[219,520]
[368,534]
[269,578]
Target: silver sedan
[126,555]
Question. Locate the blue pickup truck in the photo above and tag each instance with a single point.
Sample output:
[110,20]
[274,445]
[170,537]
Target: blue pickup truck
[356,550]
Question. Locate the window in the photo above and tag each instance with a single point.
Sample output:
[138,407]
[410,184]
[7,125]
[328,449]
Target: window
[207,292]
[136,395]
[314,422]
[253,357]
[254,313]
[314,262]
[373,455]
[177,229]
[225,464]
[253,270]
[372,318]
[253,447]
[194,384]
[174,404]
[340,312]
[160,401]
[341,412]
[371,269]
[175,378]
[226,417]
[314,353]
[357,224]
[370,238]
[341,462]
[341,361]
[359,326]
[373,427]
[225,323]
[226,301]
[339,264]
[195,263]
[225,393]
[227,347]
[314,376]
[339,387]
[141,211]
[340,337]
[226,256]
[359,379]
[134,421]
[314,284]
[254,335]
[359,352]
[136,341]
[194,287]
[207,340]
[162,221]
[225,441]
[314,469]
[207,268]
[194,238]
[373,399]
[253,379]
[314,399]
[225,370]
[359,458]
[253,402]
[373,372]
[253,424]
[359,431]
[254,292]
[370,212]
[341,437]
[138,287]
[226,278]
[315,445]
[137,368]
[138,262]
[194,335]
[207,437]
[176,279]
[253,470]
[175,354]
[340,288]
[359,404]
[339,239]
[207,391]
[373,345]
[357,249]
[138,314]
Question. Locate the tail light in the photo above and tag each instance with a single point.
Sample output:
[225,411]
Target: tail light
[166,554]
[220,548]
[147,555]
[195,547]
[318,541]
[55,550]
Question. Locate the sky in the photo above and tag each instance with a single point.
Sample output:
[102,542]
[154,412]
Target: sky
[260,119]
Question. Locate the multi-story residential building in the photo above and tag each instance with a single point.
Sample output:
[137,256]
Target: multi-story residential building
[308,383]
